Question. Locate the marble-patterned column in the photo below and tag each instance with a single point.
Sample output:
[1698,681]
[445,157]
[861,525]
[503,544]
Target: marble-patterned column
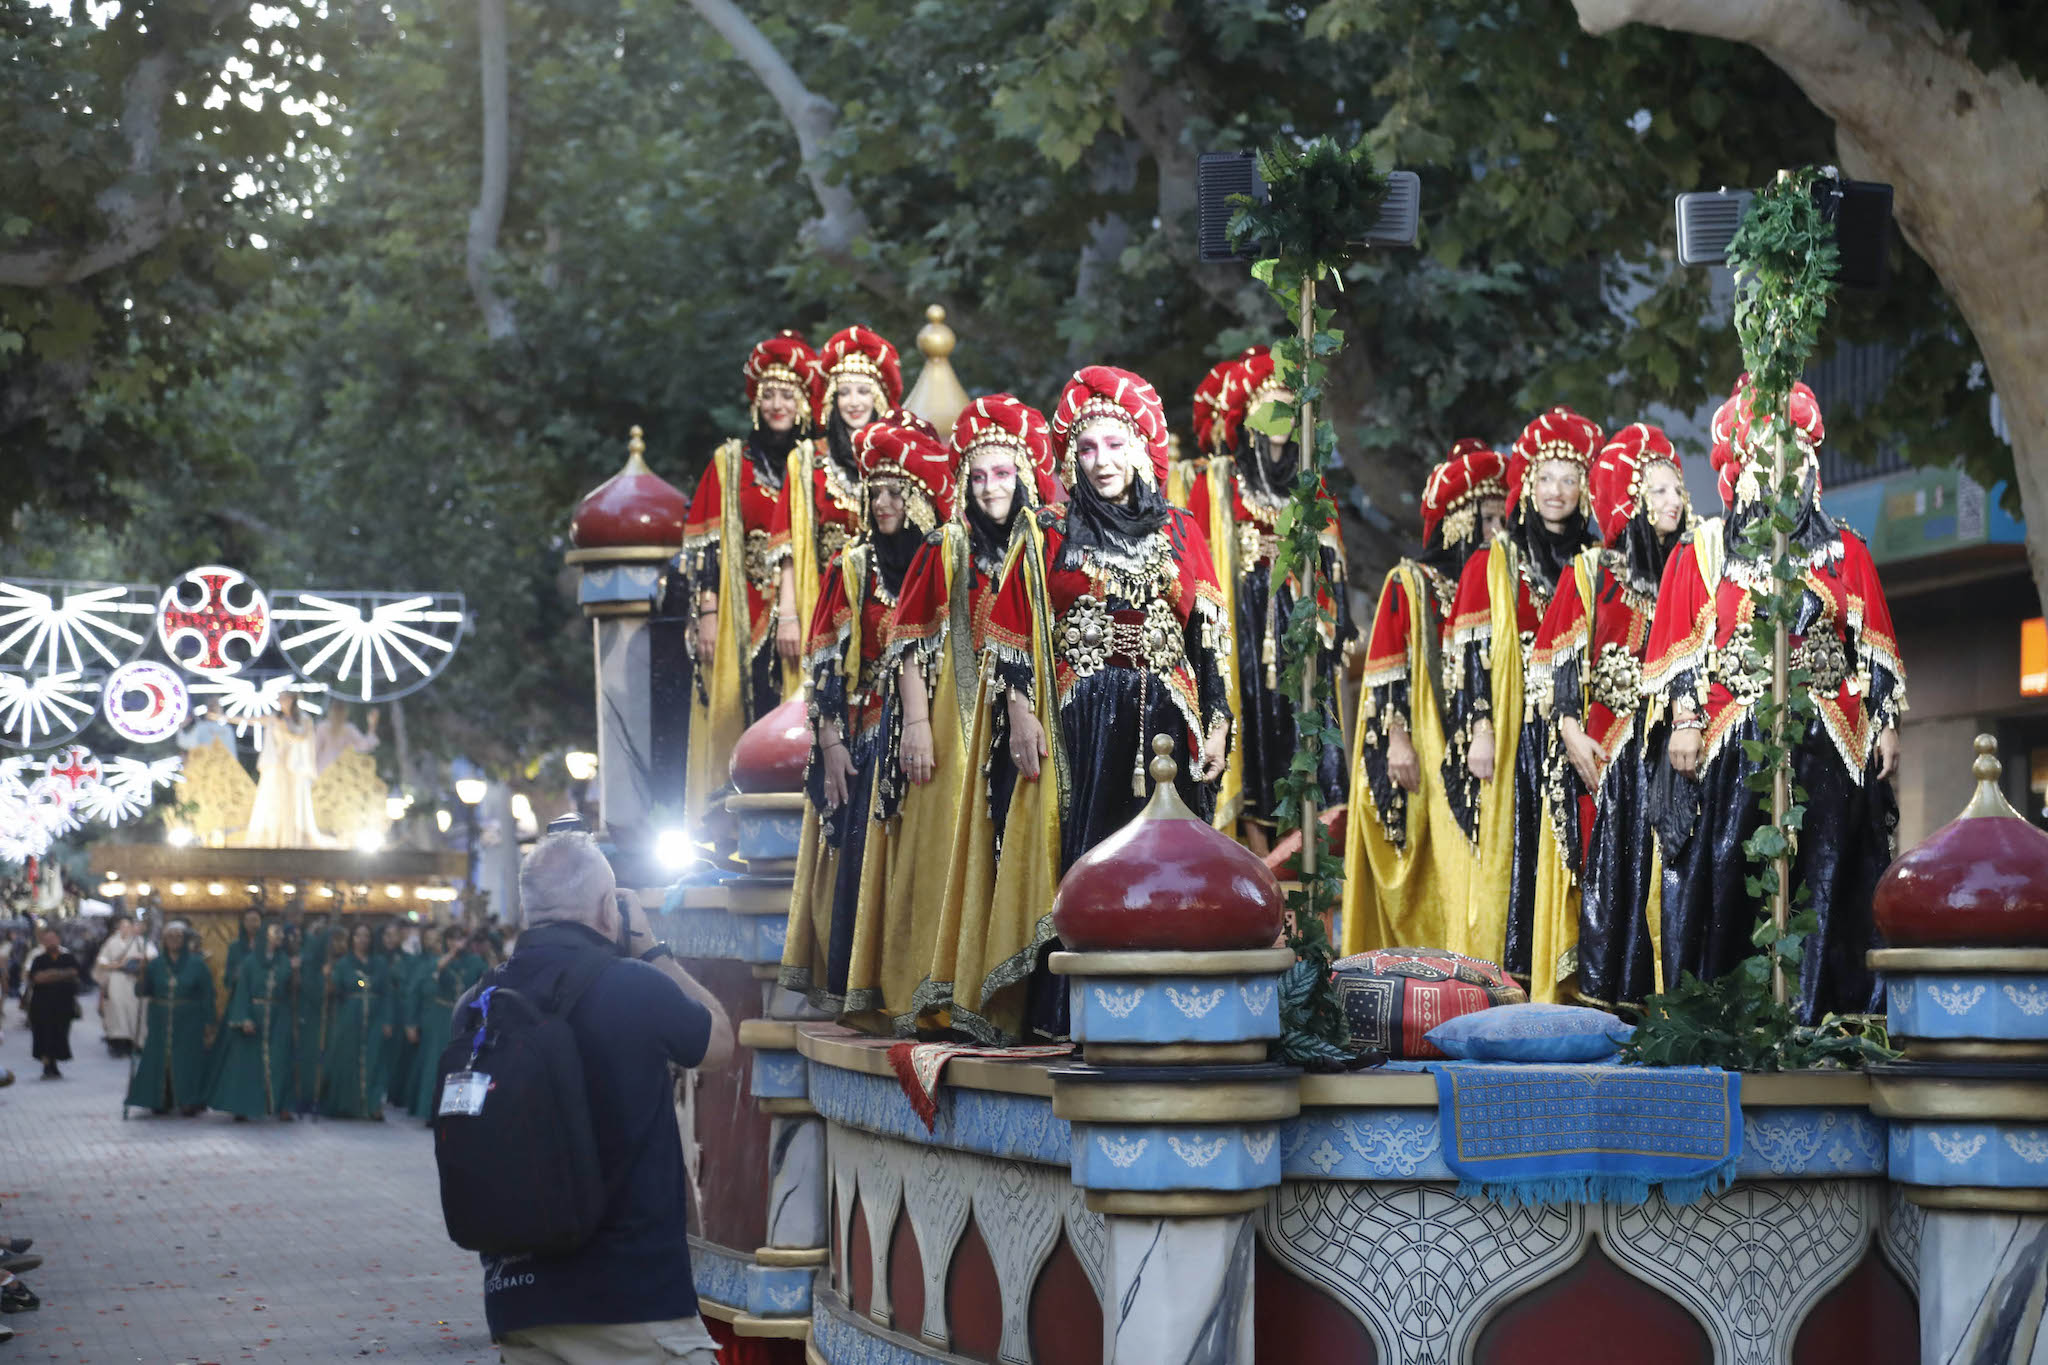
[796,1182]
[1983,1281]
[1180,1290]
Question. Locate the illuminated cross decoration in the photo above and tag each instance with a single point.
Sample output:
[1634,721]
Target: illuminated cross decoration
[75,766]
[197,634]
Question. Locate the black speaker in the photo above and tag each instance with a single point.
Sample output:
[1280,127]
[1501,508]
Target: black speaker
[1861,211]
[1219,175]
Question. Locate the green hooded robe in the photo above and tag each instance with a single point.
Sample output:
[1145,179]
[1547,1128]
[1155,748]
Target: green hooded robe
[348,1082]
[434,995]
[171,1073]
[254,1076]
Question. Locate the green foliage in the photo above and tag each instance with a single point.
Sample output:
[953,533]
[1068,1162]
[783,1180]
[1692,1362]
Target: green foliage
[1736,1022]
[1333,196]
[1322,198]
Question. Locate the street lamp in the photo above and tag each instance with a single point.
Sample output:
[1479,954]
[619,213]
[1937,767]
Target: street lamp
[470,791]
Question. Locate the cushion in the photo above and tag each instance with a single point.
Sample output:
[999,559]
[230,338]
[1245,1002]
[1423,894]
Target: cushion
[1393,997]
[1532,1033]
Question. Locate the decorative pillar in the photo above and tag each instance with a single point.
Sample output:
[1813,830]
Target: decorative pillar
[766,811]
[1173,987]
[937,396]
[1966,917]
[627,533]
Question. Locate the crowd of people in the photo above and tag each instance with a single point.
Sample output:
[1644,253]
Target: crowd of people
[339,1016]
[1547,768]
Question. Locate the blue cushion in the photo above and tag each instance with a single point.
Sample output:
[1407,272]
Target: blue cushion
[1532,1033]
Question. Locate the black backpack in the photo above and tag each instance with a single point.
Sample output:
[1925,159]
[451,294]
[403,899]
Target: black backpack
[521,1176]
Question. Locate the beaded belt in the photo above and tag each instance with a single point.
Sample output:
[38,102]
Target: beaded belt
[1617,681]
[1091,637]
[759,571]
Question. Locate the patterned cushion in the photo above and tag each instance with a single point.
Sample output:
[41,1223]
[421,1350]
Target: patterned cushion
[1533,1033]
[1393,997]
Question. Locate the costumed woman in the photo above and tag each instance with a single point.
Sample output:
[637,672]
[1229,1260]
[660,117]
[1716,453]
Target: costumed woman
[455,967]
[1596,876]
[727,558]
[1842,640]
[1493,767]
[282,816]
[856,380]
[1002,469]
[387,969]
[247,938]
[1107,630]
[1406,865]
[178,991]
[118,970]
[321,943]
[348,1087]
[906,491]
[1237,503]
[253,1079]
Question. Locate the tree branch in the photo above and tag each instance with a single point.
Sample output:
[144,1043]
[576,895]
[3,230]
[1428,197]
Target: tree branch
[840,221]
[489,214]
[135,223]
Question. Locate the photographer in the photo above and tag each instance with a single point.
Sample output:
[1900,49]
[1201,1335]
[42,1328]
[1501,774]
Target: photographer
[625,1295]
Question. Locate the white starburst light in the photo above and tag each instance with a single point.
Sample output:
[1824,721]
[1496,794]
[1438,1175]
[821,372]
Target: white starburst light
[45,708]
[366,645]
[53,627]
[143,775]
[109,804]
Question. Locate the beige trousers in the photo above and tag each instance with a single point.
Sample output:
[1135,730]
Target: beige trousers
[617,1343]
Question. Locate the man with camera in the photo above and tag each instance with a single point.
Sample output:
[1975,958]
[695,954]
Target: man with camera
[617,1287]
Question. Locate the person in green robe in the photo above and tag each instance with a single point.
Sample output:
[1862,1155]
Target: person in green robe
[309,993]
[254,1055]
[412,963]
[178,989]
[348,1079]
[387,965]
[246,942]
[435,992]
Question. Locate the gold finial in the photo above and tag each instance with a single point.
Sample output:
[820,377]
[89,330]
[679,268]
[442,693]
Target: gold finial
[937,396]
[1164,769]
[636,453]
[935,338]
[1988,800]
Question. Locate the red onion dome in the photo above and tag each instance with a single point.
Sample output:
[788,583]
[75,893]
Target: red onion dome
[770,754]
[1167,881]
[1980,881]
[635,506]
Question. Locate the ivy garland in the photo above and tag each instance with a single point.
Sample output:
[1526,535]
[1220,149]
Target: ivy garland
[1323,198]
[1784,259]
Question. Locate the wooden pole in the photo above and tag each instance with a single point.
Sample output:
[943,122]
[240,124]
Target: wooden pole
[1308,576]
[1781,651]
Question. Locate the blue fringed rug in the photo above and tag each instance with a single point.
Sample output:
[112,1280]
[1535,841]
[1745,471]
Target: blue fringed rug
[1583,1134]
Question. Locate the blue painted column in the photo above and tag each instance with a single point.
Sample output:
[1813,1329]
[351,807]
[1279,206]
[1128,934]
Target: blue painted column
[1967,995]
[1176,1116]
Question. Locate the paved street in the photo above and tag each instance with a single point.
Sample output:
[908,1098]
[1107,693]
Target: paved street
[181,1240]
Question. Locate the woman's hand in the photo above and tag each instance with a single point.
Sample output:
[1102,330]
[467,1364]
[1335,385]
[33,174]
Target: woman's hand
[1887,754]
[1027,738]
[918,759]
[249,1027]
[789,640]
[412,1035]
[1479,759]
[1686,747]
[1579,748]
[1402,764]
[707,635]
[1215,751]
[838,774]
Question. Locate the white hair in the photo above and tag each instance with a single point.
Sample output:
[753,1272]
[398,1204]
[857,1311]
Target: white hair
[563,878]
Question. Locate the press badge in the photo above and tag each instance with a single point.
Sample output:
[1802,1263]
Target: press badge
[463,1093]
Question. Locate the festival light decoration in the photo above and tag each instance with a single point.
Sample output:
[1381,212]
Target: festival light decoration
[368,645]
[53,627]
[213,621]
[145,701]
[44,708]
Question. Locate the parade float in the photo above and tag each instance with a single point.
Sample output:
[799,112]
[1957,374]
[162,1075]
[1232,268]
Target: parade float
[126,705]
[1201,1175]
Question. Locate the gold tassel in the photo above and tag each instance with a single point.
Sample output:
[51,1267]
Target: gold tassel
[1138,768]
